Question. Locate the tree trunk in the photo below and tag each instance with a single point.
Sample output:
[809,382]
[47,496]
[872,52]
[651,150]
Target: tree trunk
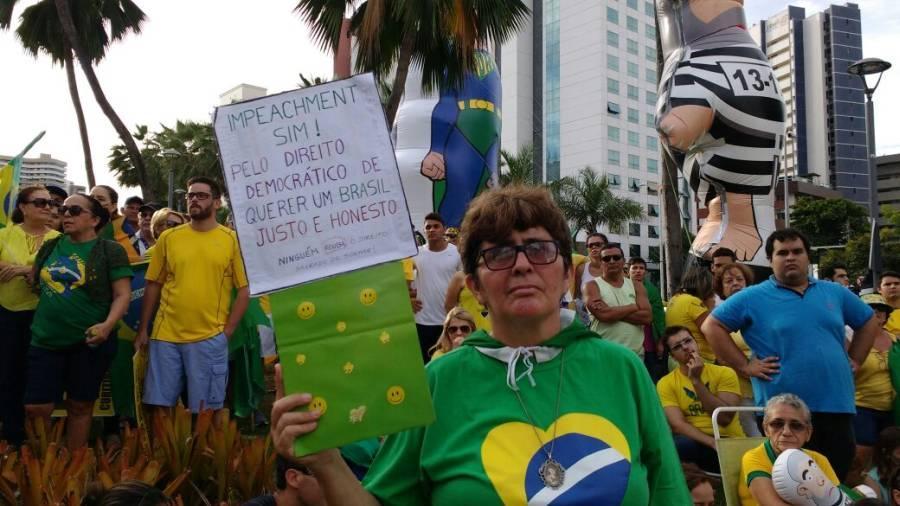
[68,26]
[403,61]
[79,113]
[674,238]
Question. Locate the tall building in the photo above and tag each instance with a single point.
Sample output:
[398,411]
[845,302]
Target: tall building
[579,84]
[44,170]
[826,123]
[240,93]
[888,167]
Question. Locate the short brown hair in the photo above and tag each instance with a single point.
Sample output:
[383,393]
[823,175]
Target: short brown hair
[23,196]
[718,281]
[214,187]
[695,476]
[495,214]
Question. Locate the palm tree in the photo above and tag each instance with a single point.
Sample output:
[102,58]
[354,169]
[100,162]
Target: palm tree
[439,35]
[49,27]
[519,166]
[588,203]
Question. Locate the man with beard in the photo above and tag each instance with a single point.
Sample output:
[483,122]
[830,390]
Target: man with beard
[192,273]
[800,321]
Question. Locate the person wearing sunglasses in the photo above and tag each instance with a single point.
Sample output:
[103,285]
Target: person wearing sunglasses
[592,268]
[162,220]
[537,410]
[689,395]
[619,306]
[117,228]
[19,243]
[85,288]
[787,424]
[458,324]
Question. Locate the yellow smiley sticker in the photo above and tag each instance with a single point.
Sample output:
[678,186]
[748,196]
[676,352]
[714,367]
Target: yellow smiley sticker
[384,337]
[367,296]
[341,326]
[348,368]
[318,404]
[395,395]
[306,310]
[301,359]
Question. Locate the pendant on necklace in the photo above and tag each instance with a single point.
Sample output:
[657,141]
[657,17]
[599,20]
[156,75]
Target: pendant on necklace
[552,473]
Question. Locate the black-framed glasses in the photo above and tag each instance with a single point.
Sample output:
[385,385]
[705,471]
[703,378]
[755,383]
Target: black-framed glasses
[611,258]
[43,203]
[197,195]
[681,344]
[778,425]
[73,210]
[500,258]
[453,329]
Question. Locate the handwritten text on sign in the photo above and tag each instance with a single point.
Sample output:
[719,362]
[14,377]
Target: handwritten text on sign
[313,182]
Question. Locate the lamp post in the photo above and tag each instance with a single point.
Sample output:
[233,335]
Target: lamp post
[862,69]
[170,154]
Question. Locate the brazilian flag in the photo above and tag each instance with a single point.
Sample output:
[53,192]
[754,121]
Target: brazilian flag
[9,188]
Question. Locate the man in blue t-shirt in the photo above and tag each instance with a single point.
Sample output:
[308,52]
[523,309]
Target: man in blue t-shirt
[794,325]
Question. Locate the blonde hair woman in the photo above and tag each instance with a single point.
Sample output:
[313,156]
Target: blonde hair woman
[458,324]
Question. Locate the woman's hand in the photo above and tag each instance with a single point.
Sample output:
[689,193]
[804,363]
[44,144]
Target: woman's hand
[10,271]
[97,334]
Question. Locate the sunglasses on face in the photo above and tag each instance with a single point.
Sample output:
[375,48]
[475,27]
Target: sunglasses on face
[611,258]
[453,329]
[595,245]
[43,203]
[504,257]
[173,223]
[73,210]
[450,236]
[197,195]
[681,344]
[779,424]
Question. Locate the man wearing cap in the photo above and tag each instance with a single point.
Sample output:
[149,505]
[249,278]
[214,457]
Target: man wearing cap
[130,212]
[874,391]
[143,239]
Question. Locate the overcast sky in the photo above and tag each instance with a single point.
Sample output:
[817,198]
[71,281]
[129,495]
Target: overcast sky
[191,51]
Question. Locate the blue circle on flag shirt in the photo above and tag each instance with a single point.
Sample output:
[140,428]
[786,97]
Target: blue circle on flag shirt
[602,472]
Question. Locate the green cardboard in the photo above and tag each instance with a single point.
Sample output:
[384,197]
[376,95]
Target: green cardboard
[350,341]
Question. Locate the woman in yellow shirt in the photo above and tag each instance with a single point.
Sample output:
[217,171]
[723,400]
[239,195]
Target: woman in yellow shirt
[458,294]
[19,243]
[874,392]
[690,306]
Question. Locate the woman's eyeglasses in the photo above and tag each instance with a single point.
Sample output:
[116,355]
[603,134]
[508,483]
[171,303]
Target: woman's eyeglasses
[465,329]
[43,203]
[73,210]
[779,424]
[504,257]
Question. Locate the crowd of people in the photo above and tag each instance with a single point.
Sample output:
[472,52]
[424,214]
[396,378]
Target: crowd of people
[576,357]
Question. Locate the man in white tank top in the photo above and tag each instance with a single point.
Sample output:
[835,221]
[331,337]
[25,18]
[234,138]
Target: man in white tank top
[620,308]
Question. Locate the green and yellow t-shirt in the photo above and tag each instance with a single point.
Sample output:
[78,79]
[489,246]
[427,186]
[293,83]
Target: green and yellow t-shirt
[19,248]
[683,310]
[893,323]
[675,389]
[65,310]
[758,463]
[115,231]
[198,271]
[609,431]
[873,381]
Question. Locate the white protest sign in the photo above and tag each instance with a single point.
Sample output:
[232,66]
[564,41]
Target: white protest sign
[313,182]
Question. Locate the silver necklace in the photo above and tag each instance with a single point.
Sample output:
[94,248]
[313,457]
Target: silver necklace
[552,473]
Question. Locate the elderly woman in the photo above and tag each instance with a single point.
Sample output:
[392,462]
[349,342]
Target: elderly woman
[458,324]
[19,243]
[523,414]
[788,425]
[85,288]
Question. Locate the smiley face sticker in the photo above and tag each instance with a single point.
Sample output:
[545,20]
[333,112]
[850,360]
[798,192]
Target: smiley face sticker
[301,359]
[396,395]
[367,296]
[341,326]
[384,337]
[318,404]
[306,310]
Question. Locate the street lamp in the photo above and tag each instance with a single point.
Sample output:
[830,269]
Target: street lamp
[863,68]
[171,154]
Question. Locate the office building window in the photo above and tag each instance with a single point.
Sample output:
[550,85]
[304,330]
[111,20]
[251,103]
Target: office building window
[634,250]
[633,92]
[650,31]
[612,38]
[650,117]
[612,86]
[652,188]
[612,157]
[653,231]
[650,75]
[652,166]
[613,108]
[634,139]
[612,15]
[612,62]
[632,4]
[649,10]
[631,23]
[650,98]
[634,162]
[653,210]
[631,46]
[634,185]
[633,115]
[650,53]
[653,254]
[652,143]
[634,229]
[614,180]
[612,133]
[633,70]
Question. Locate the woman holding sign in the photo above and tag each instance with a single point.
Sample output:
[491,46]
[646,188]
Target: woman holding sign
[522,414]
